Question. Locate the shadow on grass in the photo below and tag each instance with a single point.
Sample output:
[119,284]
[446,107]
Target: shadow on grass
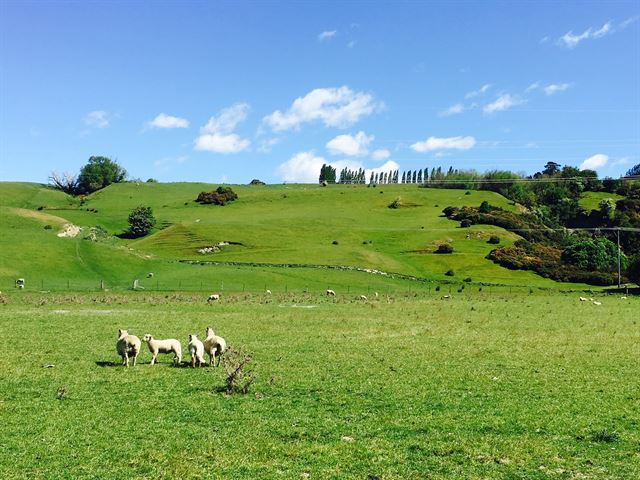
[103,364]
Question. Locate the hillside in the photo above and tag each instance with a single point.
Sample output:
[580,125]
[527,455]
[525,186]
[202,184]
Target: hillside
[273,224]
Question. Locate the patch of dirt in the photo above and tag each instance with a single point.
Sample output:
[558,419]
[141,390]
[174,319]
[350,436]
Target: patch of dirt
[69,230]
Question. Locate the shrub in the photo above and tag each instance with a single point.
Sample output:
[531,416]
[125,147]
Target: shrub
[219,196]
[48,227]
[466,223]
[141,221]
[444,248]
[397,203]
[240,376]
[152,180]
[450,211]
[484,207]
[449,273]
[335,242]
[494,240]
[468,280]
[255,181]
[467,192]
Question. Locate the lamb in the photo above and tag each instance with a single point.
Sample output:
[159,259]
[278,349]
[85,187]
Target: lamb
[163,346]
[196,351]
[214,297]
[583,299]
[331,293]
[214,345]
[127,346]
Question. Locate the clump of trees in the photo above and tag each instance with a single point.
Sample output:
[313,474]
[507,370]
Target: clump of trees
[141,221]
[255,181]
[327,174]
[99,172]
[219,196]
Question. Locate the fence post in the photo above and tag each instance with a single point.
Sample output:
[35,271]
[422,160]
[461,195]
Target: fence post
[101,284]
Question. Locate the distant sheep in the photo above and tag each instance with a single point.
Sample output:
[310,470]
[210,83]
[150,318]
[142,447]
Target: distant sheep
[196,351]
[597,303]
[446,296]
[268,292]
[331,293]
[214,297]
[583,299]
[621,298]
[214,346]
[127,346]
[363,297]
[375,294]
[163,346]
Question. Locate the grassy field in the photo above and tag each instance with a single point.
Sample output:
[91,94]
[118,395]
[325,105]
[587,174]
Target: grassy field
[271,225]
[590,200]
[403,387]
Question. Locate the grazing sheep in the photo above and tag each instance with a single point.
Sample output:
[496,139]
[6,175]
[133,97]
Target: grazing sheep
[582,299]
[331,293]
[213,345]
[268,292]
[597,303]
[214,297]
[446,296]
[376,294]
[363,297]
[127,346]
[621,298]
[163,346]
[196,351]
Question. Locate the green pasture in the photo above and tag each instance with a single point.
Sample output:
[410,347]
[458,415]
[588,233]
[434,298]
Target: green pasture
[591,200]
[269,225]
[403,386]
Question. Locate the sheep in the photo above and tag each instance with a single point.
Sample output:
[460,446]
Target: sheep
[196,351]
[213,345]
[582,299]
[268,292]
[363,297]
[127,346]
[375,294]
[163,346]
[214,297]
[597,303]
[621,298]
[331,293]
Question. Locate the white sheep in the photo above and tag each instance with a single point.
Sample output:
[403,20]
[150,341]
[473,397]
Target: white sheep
[163,346]
[214,345]
[268,292]
[214,297]
[621,298]
[375,294]
[596,302]
[582,299]
[331,293]
[127,346]
[196,351]
[363,297]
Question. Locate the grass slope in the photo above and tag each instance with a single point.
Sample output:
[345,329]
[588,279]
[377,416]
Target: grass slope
[473,387]
[275,224]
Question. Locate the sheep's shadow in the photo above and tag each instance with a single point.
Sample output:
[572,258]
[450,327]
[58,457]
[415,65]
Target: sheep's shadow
[103,364]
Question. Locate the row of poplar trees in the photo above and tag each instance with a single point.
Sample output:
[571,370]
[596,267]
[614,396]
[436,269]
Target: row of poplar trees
[328,174]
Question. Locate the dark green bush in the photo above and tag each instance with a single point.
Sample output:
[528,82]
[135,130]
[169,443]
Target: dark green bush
[141,221]
[466,223]
[449,273]
[444,248]
[494,240]
[220,196]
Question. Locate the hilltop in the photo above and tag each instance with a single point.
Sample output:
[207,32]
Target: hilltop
[306,225]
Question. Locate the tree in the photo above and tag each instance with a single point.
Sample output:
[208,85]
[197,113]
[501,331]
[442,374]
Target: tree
[327,174]
[99,172]
[141,221]
[66,182]
[551,168]
[634,269]
[599,254]
[633,171]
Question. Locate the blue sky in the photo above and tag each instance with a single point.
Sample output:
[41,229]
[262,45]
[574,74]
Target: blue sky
[231,91]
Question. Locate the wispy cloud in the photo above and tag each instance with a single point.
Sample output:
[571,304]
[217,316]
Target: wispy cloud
[444,143]
[571,40]
[335,107]
[97,119]
[326,35]
[593,163]
[556,88]
[381,154]
[167,121]
[475,93]
[452,110]
[350,145]
[267,145]
[532,87]
[217,135]
[503,102]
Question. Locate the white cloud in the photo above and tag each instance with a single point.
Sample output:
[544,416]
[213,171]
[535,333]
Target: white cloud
[335,107]
[168,121]
[452,110]
[304,167]
[97,118]
[381,154]
[483,89]
[448,143]
[503,102]
[384,168]
[594,162]
[326,35]
[267,145]
[628,22]
[532,87]
[352,146]
[556,87]
[216,136]
[570,40]
[622,161]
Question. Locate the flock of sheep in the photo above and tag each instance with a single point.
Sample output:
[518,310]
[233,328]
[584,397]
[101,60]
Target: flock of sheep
[128,346]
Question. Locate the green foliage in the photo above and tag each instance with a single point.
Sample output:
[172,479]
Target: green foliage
[633,271]
[494,240]
[466,223]
[633,171]
[327,174]
[152,180]
[98,173]
[444,248]
[219,196]
[449,273]
[141,221]
[397,203]
[594,254]
[255,181]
